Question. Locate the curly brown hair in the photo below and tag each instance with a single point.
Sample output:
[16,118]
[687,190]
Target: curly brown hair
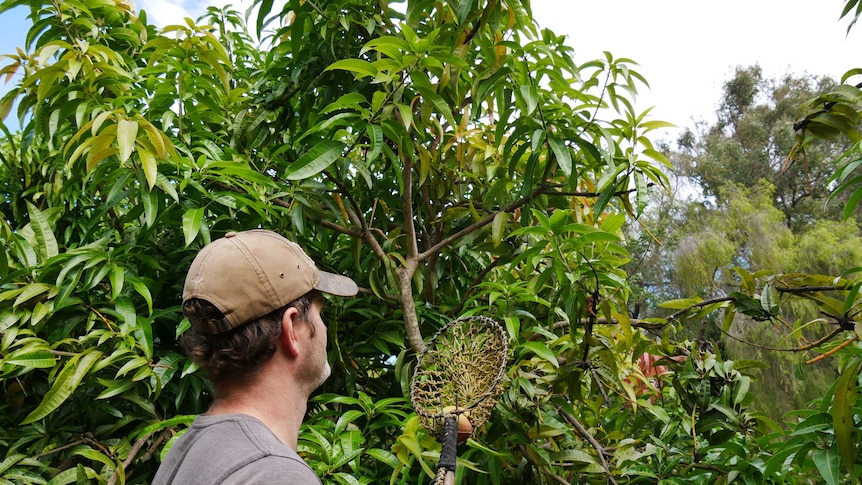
[240,352]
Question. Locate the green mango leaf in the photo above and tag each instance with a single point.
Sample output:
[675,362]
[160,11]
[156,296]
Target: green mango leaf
[64,384]
[125,308]
[828,464]
[349,101]
[127,132]
[150,166]
[498,225]
[192,219]
[574,455]
[842,413]
[741,390]
[562,154]
[390,46]
[439,104]
[315,160]
[116,387]
[769,299]
[383,456]
[262,14]
[819,422]
[117,278]
[31,291]
[542,351]
[681,303]
[530,97]
[746,280]
[131,365]
[45,241]
[185,419]
[358,66]
[101,149]
[39,359]
[10,461]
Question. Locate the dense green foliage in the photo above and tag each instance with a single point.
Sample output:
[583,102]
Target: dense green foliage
[450,156]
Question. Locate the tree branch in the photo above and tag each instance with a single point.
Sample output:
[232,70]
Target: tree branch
[133,452]
[635,323]
[542,469]
[341,229]
[832,351]
[808,289]
[58,449]
[481,223]
[407,198]
[405,273]
[700,304]
[587,436]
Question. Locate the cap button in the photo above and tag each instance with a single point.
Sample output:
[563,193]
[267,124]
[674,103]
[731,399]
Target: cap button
[231,234]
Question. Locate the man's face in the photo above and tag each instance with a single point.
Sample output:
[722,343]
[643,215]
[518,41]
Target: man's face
[316,369]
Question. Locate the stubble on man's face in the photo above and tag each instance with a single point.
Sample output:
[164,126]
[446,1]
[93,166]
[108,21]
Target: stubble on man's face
[316,369]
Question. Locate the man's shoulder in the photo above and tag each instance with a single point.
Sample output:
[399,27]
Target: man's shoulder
[232,449]
[274,469]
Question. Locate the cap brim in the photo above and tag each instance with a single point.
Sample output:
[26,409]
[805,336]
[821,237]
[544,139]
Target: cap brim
[335,284]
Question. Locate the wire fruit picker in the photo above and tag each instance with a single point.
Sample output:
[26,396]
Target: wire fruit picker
[456,384]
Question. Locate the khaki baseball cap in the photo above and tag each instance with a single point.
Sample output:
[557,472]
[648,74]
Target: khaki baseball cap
[249,274]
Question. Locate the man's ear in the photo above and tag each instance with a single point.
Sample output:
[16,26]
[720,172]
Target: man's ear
[289,339]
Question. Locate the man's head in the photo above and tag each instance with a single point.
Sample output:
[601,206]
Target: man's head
[237,294]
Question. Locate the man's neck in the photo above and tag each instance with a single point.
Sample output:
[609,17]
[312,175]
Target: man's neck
[280,407]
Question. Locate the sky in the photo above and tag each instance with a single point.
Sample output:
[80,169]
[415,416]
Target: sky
[686,49]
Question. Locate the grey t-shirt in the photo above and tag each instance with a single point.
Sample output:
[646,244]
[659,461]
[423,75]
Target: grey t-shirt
[232,449]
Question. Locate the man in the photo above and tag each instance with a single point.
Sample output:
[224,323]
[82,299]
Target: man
[253,299]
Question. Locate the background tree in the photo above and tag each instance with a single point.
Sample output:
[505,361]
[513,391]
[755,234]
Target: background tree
[753,141]
[762,208]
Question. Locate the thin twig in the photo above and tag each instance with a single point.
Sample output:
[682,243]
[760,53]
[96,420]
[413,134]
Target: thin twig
[58,449]
[155,446]
[599,383]
[478,279]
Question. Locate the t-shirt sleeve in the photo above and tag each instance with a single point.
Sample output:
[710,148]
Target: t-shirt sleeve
[275,469]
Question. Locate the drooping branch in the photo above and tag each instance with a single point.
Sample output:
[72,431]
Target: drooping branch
[794,349]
